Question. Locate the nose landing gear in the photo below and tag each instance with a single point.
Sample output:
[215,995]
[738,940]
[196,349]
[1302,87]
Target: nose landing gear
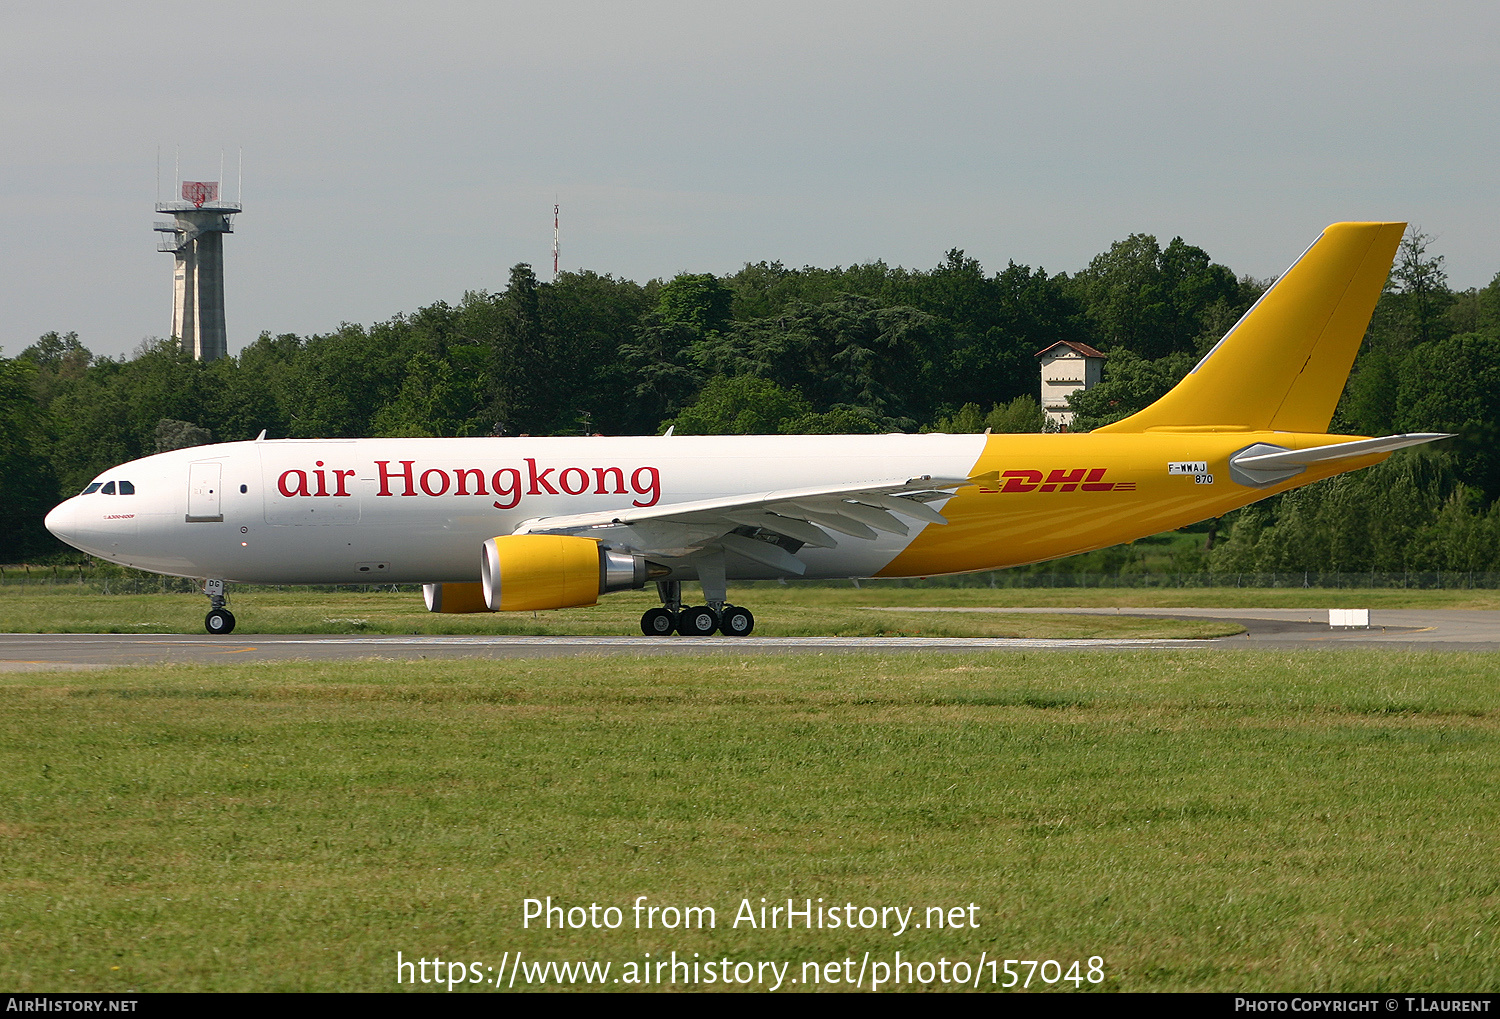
[220,620]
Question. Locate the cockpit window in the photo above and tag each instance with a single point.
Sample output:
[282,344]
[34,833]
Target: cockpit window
[108,489]
[127,488]
[91,489]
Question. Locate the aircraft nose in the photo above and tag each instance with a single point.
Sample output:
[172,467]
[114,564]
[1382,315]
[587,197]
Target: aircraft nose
[60,522]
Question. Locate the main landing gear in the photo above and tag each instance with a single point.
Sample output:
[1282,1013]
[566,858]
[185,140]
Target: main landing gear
[219,621]
[695,621]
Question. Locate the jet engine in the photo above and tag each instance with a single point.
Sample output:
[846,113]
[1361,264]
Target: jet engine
[455,597]
[557,571]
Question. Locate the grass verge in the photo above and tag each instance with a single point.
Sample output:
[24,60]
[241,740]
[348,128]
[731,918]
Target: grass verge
[779,612]
[1224,821]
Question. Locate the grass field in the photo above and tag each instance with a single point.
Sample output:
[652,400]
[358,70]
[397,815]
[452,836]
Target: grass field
[1206,821]
[779,612]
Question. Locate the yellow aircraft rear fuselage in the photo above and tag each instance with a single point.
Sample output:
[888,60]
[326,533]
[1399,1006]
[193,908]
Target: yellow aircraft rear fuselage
[1057,495]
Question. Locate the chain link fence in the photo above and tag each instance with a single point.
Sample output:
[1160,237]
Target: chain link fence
[106,580]
[1413,579]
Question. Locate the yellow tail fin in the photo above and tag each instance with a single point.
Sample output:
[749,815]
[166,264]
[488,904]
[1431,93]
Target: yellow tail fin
[1284,364]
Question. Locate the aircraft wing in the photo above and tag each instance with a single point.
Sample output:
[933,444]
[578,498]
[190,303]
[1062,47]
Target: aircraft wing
[804,515]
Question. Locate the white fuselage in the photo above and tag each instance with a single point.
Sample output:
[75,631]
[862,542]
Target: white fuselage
[329,511]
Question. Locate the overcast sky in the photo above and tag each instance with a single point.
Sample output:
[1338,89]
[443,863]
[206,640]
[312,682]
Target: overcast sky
[400,154]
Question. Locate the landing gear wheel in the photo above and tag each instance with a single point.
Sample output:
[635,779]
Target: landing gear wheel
[219,622]
[658,623]
[736,621]
[697,622]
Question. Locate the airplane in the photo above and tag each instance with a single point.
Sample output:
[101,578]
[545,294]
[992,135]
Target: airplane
[515,524]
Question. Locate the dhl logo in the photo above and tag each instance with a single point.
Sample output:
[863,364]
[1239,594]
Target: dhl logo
[1087,479]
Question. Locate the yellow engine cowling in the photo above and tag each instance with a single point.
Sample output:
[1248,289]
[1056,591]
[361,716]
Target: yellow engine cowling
[455,597]
[521,572]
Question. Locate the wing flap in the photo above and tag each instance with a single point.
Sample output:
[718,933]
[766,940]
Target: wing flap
[907,507]
[831,519]
[870,516]
[791,527]
[763,552]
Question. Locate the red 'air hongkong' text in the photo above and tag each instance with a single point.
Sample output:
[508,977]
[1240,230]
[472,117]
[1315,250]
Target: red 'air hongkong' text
[505,485]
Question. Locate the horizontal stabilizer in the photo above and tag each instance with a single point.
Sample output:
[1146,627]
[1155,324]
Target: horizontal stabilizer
[1262,464]
[1337,451]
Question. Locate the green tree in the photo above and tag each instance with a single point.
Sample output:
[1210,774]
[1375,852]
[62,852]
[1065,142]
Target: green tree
[432,401]
[662,371]
[697,300]
[966,420]
[848,352]
[767,289]
[994,355]
[592,318]
[245,393]
[1453,385]
[173,434]
[840,421]
[1023,414]
[1131,383]
[524,367]
[1408,513]
[1368,404]
[1420,285]
[28,483]
[1157,302]
[337,383]
[744,405]
[59,361]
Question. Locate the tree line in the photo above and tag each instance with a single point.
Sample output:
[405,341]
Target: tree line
[864,348]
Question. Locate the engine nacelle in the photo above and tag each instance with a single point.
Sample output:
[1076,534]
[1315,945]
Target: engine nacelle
[455,597]
[521,572]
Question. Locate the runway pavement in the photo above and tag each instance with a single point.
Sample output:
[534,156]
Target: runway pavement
[77,650]
[1425,629]
[1267,629]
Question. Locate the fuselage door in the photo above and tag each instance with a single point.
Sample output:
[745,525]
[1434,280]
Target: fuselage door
[203,497]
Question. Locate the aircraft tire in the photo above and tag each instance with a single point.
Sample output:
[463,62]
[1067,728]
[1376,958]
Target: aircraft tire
[658,623]
[699,621]
[737,621]
[219,622]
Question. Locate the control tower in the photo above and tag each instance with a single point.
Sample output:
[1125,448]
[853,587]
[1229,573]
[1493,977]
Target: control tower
[195,237]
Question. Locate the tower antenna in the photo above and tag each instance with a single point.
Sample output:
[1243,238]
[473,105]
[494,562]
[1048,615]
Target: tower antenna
[555,236]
